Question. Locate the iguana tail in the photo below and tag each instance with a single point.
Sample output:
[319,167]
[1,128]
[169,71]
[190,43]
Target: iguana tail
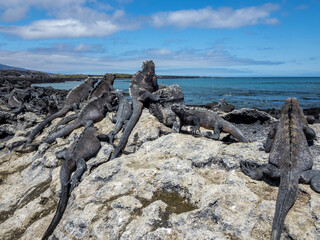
[65,174]
[137,110]
[31,148]
[234,131]
[44,123]
[287,195]
[65,121]
[64,131]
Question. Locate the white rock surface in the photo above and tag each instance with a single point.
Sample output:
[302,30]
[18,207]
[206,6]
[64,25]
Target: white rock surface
[172,186]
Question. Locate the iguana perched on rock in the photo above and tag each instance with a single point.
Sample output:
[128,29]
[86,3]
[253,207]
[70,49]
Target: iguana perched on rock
[162,108]
[87,146]
[290,160]
[204,118]
[143,84]
[122,116]
[104,86]
[95,110]
[73,99]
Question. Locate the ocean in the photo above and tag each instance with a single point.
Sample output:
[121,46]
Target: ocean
[242,92]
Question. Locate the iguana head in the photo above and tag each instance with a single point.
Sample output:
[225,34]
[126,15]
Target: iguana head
[91,81]
[177,108]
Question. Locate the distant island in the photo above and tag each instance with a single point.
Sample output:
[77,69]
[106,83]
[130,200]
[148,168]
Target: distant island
[17,74]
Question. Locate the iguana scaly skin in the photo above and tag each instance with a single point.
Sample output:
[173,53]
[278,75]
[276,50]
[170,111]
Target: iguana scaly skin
[95,110]
[290,160]
[105,86]
[143,84]
[87,146]
[73,99]
[206,119]
[123,115]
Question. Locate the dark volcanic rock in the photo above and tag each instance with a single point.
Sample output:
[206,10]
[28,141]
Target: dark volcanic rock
[247,116]
[222,105]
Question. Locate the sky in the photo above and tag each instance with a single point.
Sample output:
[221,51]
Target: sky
[187,37]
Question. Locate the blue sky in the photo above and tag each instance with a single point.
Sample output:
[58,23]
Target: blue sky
[207,38]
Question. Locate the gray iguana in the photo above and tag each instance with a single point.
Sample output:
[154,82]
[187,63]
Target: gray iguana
[87,146]
[143,84]
[95,110]
[104,86]
[122,116]
[207,119]
[73,99]
[290,160]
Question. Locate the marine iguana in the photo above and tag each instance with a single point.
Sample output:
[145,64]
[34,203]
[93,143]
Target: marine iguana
[207,119]
[122,116]
[87,146]
[105,85]
[290,160]
[142,85]
[74,98]
[162,108]
[95,110]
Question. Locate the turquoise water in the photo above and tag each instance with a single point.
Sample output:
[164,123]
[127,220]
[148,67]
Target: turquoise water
[241,92]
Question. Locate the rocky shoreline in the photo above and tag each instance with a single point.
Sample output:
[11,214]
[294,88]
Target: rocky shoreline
[170,186]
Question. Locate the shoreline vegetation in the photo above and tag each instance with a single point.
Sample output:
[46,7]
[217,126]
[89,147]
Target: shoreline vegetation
[15,75]
[33,77]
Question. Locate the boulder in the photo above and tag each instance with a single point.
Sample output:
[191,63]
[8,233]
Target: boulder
[248,116]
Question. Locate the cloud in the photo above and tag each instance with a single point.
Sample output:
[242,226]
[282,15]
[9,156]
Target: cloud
[81,48]
[68,19]
[75,59]
[221,18]
[63,28]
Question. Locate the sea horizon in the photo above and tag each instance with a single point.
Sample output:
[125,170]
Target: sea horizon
[250,92]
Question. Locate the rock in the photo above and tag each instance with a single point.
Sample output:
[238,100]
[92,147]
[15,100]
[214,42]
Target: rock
[222,105]
[162,110]
[248,116]
[170,186]
[15,142]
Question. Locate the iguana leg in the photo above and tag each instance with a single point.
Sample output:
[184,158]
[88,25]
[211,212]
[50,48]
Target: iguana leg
[81,168]
[196,125]
[87,123]
[310,135]
[257,171]
[315,184]
[103,137]
[62,154]
[312,177]
[116,129]
[74,107]
[176,127]
[152,97]
[114,119]
[270,139]
[217,130]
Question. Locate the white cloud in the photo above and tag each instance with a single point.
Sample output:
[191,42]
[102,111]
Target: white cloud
[14,14]
[68,19]
[73,59]
[64,28]
[221,18]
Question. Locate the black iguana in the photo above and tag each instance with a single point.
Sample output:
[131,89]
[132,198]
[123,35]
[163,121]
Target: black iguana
[87,146]
[290,160]
[73,99]
[207,119]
